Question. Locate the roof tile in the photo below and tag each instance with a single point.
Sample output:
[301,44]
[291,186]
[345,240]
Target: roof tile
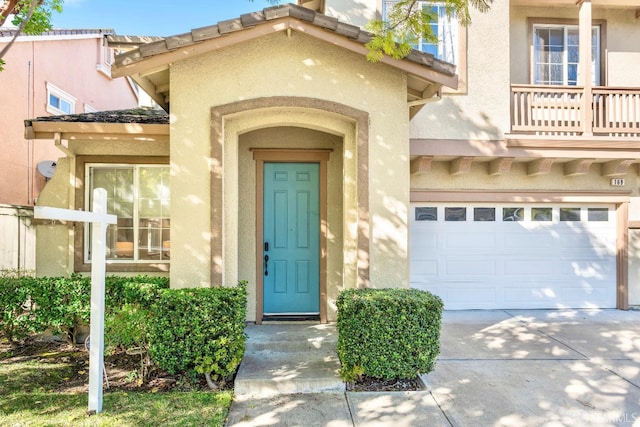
[252,19]
[230,25]
[154,48]
[174,42]
[204,33]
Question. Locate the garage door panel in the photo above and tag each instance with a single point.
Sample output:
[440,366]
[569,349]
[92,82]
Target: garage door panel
[528,267]
[464,294]
[427,240]
[461,240]
[529,240]
[516,264]
[425,268]
[467,268]
[596,270]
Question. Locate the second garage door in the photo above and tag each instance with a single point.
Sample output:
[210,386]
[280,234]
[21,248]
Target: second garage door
[494,256]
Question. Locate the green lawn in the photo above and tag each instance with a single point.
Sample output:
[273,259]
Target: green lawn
[27,398]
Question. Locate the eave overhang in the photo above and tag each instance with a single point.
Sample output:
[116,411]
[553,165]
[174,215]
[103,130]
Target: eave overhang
[96,131]
[149,64]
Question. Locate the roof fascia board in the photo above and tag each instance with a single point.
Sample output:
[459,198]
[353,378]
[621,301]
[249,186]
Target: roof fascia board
[91,130]
[52,38]
[270,27]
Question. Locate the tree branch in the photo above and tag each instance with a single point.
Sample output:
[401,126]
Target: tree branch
[32,7]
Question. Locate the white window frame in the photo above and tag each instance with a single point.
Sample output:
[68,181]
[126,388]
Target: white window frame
[448,52]
[107,57]
[136,218]
[55,91]
[595,60]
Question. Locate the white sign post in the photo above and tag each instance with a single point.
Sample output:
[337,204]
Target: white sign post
[99,220]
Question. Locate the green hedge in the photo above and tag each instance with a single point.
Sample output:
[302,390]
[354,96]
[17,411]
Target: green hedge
[60,304]
[199,330]
[15,307]
[388,333]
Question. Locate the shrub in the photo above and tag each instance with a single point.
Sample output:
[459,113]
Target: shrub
[199,329]
[140,290]
[127,328]
[61,304]
[15,306]
[388,333]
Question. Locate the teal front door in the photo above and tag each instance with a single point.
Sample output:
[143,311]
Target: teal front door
[291,247]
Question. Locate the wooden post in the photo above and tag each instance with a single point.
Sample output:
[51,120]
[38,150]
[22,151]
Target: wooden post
[99,220]
[585,74]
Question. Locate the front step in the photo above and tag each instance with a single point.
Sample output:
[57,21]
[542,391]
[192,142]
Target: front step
[289,358]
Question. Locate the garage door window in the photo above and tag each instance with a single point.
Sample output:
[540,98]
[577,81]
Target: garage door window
[598,214]
[427,214]
[455,214]
[569,214]
[541,214]
[484,214]
[513,214]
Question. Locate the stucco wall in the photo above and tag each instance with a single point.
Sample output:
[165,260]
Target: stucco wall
[483,111]
[295,66]
[70,65]
[518,179]
[356,12]
[55,240]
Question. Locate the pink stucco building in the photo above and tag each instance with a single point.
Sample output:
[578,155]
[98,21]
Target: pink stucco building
[59,72]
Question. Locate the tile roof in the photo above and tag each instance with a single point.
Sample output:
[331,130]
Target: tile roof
[134,115]
[10,32]
[249,20]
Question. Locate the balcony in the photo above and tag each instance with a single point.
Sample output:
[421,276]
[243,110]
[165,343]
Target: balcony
[572,111]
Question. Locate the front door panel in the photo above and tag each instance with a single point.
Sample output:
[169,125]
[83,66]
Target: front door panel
[291,256]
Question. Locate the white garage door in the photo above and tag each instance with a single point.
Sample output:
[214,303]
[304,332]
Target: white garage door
[515,256]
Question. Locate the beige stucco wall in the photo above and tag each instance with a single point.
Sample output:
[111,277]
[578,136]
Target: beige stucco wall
[483,111]
[622,47]
[479,179]
[356,12]
[55,240]
[295,66]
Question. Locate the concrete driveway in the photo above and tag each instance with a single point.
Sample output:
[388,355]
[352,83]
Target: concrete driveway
[539,368]
[496,368]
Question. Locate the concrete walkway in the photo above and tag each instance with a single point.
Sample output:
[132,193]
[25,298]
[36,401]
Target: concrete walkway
[496,368]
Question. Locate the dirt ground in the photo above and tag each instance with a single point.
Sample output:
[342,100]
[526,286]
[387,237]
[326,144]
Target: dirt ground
[123,370]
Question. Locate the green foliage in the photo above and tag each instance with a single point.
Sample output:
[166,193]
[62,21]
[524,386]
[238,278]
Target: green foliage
[126,327]
[407,22]
[388,333]
[40,20]
[61,304]
[15,306]
[199,329]
[142,290]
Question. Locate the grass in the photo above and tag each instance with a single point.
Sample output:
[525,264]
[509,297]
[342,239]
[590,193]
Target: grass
[28,398]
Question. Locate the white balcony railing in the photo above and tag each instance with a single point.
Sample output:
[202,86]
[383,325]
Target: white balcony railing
[569,110]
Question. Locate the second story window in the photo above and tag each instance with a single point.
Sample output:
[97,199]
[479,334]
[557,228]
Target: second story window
[556,53]
[445,29]
[59,101]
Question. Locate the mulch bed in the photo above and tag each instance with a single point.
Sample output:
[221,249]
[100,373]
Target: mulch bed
[374,384]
